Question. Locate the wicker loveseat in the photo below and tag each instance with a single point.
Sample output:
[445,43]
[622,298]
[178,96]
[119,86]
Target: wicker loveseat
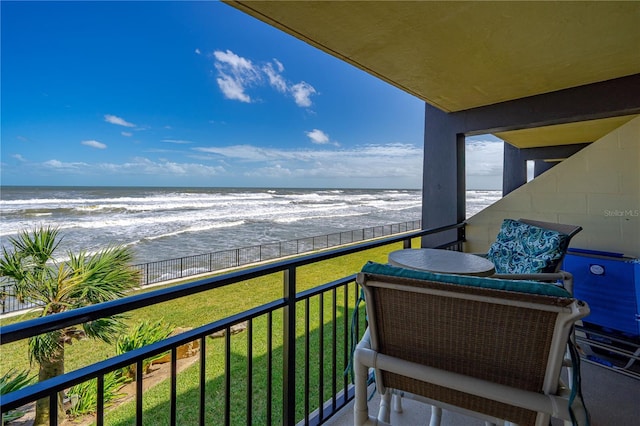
[486,347]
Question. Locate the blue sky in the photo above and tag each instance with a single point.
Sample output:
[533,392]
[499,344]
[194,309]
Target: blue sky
[198,94]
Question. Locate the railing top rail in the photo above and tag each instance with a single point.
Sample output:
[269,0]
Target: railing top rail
[22,330]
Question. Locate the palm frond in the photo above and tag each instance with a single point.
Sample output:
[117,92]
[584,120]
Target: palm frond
[38,244]
[105,329]
[45,347]
[83,280]
[104,276]
[12,381]
[67,283]
[11,265]
[29,264]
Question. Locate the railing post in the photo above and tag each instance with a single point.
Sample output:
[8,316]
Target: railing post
[3,291]
[289,348]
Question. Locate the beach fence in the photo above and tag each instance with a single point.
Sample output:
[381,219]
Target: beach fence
[183,267]
[188,266]
[8,301]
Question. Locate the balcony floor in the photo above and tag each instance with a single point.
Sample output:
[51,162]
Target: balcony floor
[611,398]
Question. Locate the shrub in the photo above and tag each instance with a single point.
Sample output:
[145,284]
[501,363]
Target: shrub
[84,396]
[144,334]
[10,382]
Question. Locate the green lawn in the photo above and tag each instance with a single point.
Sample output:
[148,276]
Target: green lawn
[204,308]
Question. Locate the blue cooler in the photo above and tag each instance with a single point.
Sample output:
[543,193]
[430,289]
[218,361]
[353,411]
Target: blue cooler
[610,284]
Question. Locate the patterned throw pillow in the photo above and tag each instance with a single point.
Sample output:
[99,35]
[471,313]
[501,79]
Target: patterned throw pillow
[521,248]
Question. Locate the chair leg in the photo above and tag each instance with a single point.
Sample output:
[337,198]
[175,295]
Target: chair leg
[384,415]
[397,403]
[360,405]
[436,416]
[632,359]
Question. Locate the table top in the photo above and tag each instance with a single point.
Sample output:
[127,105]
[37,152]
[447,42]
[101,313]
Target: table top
[442,261]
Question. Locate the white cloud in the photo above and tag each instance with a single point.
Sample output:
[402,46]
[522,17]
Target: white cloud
[141,165]
[275,79]
[384,165]
[318,136]
[233,88]
[197,51]
[117,120]
[236,75]
[94,144]
[176,141]
[237,64]
[484,163]
[484,158]
[368,162]
[53,163]
[276,171]
[66,167]
[241,152]
[302,94]
[19,157]
[138,166]
[278,65]
[127,134]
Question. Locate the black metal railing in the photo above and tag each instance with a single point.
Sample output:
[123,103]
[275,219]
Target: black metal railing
[187,266]
[301,384]
[8,301]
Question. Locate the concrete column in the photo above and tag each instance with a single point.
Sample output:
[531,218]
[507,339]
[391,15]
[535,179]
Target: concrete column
[443,185]
[514,172]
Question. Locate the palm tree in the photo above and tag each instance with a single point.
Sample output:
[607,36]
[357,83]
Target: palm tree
[80,281]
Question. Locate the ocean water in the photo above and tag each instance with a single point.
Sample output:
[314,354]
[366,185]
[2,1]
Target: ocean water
[165,223]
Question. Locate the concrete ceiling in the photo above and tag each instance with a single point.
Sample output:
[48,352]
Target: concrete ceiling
[461,55]
[563,134]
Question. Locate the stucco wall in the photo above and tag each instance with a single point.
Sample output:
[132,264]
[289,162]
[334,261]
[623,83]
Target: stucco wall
[597,188]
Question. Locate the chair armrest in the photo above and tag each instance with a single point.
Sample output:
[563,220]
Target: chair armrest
[365,341]
[550,277]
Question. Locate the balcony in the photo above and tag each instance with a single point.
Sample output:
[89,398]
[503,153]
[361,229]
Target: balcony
[287,367]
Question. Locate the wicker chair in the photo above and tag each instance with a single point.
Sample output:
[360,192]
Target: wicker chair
[473,345]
